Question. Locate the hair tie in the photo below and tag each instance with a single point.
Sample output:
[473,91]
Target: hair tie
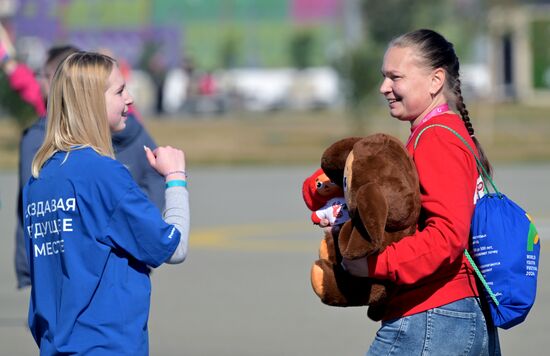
[176,172]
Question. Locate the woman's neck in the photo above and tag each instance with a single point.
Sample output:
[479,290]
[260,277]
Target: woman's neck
[437,107]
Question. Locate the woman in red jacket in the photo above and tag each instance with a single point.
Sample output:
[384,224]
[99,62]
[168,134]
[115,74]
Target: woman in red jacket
[437,309]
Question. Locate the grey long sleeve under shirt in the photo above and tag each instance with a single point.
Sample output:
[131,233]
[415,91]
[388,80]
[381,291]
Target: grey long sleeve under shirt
[176,213]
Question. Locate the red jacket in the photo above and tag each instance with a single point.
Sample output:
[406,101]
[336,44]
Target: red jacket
[429,267]
[23,81]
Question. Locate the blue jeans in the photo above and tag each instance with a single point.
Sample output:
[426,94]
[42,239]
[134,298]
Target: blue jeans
[458,328]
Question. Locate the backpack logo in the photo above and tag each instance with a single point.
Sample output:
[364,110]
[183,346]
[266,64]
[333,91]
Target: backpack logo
[533,237]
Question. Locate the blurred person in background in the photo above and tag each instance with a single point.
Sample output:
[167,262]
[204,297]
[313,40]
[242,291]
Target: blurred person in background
[128,143]
[156,67]
[177,88]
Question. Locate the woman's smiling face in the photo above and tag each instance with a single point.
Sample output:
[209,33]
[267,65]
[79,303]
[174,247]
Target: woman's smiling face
[117,100]
[406,84]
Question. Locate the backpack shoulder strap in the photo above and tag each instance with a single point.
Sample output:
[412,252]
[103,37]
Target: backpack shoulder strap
[480,276]
[482,171]
[448,128]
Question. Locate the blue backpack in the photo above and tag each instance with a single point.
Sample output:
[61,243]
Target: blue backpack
[504,251]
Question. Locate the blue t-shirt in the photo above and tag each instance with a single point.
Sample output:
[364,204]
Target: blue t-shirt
[91,234]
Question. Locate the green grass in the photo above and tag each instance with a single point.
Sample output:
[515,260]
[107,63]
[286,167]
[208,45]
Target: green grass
[509,133]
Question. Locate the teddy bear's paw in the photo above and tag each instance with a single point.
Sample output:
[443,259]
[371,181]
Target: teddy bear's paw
[317,278]
[333,287]
[323,281]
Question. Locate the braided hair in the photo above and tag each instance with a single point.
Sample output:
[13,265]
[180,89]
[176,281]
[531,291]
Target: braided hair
[437,52]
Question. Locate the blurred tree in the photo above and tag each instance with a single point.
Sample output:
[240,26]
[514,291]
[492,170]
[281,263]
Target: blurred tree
[301,49]
[12,104]
[540,30]
[150,48]
[383,20]
[359,70]
[460,21]
[230,50]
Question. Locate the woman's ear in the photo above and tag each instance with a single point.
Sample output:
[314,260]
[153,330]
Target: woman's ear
[438,80]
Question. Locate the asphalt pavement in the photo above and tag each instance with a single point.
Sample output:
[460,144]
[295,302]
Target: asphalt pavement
[245,290]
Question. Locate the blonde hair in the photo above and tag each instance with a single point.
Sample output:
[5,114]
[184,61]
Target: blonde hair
[77,112]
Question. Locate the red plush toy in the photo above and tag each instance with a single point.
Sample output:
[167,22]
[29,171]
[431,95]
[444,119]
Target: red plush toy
[325,199]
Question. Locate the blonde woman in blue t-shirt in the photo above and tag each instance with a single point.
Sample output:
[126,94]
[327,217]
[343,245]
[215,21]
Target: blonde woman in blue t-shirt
[91,232]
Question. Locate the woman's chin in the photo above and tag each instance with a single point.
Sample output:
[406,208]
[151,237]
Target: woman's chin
[119,127]
[395,114]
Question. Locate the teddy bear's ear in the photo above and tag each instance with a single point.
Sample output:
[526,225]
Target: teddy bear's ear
[334,158]
[367,238]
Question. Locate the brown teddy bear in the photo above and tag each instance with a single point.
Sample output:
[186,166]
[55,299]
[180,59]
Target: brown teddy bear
[381,188]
